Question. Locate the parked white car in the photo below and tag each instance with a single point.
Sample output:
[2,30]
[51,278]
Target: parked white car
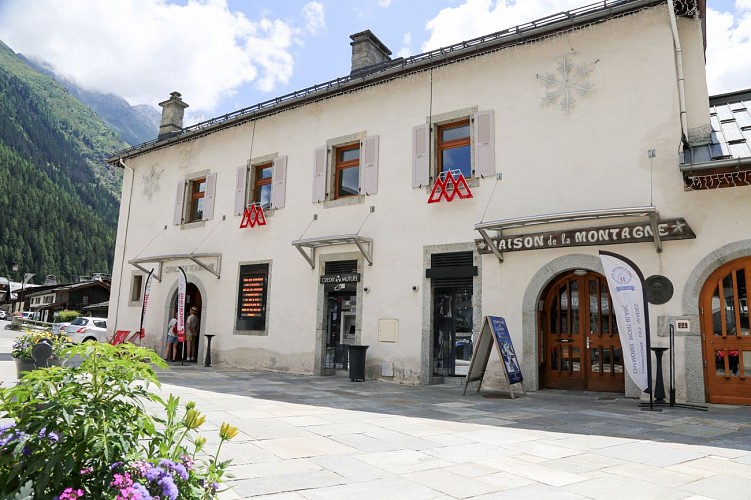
[86,329]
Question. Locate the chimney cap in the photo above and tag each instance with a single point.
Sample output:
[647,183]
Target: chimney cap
[175,97]
[368,35]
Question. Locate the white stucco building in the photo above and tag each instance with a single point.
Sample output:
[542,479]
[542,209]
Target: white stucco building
[584,131]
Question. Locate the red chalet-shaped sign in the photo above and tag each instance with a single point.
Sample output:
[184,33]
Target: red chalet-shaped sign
[253,216]
[449,185]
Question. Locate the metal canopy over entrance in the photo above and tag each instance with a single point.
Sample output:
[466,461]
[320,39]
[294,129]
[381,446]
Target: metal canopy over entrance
[197,258]
[365,245]
[499,226]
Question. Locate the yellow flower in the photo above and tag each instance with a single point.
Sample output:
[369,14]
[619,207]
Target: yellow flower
[194,419]
[228,431]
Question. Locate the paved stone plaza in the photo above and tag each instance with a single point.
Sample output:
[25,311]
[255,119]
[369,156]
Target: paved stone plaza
[330,438]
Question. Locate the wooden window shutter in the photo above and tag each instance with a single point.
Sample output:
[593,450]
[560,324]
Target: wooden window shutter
[369,171]
[319,175]
[209,197]
[421,155]
[179,201]
[240,197]
[484,144]
[279,182]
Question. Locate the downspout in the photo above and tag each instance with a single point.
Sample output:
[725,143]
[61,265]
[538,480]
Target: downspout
[125,239]
[679,70]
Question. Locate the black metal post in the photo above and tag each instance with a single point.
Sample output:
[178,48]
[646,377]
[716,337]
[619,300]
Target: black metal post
[208,350]
[659,384]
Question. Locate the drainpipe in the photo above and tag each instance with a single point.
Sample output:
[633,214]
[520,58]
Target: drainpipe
[125,239]
[679,70]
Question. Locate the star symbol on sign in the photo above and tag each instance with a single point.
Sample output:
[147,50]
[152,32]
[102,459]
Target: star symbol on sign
[568,80]
[678,227]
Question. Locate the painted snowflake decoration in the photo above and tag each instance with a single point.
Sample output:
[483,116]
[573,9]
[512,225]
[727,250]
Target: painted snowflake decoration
[569,79]
[151,182]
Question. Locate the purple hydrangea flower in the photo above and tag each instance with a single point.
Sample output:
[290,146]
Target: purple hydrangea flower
[169,490]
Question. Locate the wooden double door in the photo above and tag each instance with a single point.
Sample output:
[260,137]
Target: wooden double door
[579,344]
[726,337]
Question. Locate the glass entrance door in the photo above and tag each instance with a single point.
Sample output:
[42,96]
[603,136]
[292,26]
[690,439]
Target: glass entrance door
[452,331]
[340,329]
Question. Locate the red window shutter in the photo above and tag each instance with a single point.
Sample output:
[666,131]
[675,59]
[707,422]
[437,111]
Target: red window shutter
[177,218]
[484,144]
[279,182]
[420,155]
[209,197]
[319,175]
[369,172]
[240,186]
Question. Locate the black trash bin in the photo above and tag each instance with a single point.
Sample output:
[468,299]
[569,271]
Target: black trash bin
[357,362]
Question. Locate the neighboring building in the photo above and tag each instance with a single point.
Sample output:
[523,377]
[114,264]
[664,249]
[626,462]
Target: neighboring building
[568,132]
[47,300]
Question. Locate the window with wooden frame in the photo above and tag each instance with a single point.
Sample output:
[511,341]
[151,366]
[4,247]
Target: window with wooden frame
[454,149]
[262,175]
[347,177]
[197,190]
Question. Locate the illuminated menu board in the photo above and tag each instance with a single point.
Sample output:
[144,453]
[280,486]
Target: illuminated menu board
[251,304]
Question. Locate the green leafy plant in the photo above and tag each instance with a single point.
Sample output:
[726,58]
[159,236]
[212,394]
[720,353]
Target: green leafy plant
[24,343]
[66,316]
[86,431]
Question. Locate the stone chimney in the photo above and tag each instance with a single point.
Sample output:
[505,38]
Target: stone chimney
[173,110]
[367,50]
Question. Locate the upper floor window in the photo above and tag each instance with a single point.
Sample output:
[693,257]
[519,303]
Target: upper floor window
[197,202]
[346,169]
[136,288]
[454,151]
[262,184]
[195,199]
[462,140]
[347,182]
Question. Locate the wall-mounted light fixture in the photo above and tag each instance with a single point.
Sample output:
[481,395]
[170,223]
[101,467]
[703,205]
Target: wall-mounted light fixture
[580,272]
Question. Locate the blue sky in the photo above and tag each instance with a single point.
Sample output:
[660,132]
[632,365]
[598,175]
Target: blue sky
[223,55]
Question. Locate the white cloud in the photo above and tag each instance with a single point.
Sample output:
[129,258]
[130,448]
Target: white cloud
[405,51]
[728,49]
[474,18]
[384,3]
[728,35]
[314,17]
[144,49]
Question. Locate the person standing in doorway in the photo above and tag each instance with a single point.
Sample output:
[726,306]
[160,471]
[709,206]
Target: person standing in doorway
[191,332]
[171,338]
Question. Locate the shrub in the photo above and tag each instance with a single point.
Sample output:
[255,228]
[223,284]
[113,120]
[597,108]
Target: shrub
[66,316]
[86,431]
[24,343]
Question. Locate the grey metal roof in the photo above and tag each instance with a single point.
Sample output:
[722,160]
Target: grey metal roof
[730,118]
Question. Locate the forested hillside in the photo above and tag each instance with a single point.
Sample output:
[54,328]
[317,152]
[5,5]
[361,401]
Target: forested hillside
[58,199]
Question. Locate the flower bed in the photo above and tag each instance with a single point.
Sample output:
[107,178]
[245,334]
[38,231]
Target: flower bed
[83,431]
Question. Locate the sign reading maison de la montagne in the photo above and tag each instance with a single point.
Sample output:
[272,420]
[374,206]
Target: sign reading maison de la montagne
[668,229]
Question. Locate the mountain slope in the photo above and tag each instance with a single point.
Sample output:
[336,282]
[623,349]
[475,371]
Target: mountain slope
[135,124]
[59,201]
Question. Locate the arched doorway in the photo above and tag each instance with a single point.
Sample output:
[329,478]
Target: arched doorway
[579,344]
[192,298]
[726,342]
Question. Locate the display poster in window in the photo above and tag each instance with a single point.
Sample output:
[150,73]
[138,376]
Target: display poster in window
[251,309]
[494,332]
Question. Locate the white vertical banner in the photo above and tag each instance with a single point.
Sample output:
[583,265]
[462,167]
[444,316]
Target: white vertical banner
[626,284]
[181,284]
[146,295]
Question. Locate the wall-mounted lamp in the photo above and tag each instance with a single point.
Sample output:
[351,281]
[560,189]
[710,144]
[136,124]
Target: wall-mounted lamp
[580,272]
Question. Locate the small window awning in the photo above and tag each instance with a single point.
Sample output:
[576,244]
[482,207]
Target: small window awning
[648,212]
[204,260]
[308,246]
